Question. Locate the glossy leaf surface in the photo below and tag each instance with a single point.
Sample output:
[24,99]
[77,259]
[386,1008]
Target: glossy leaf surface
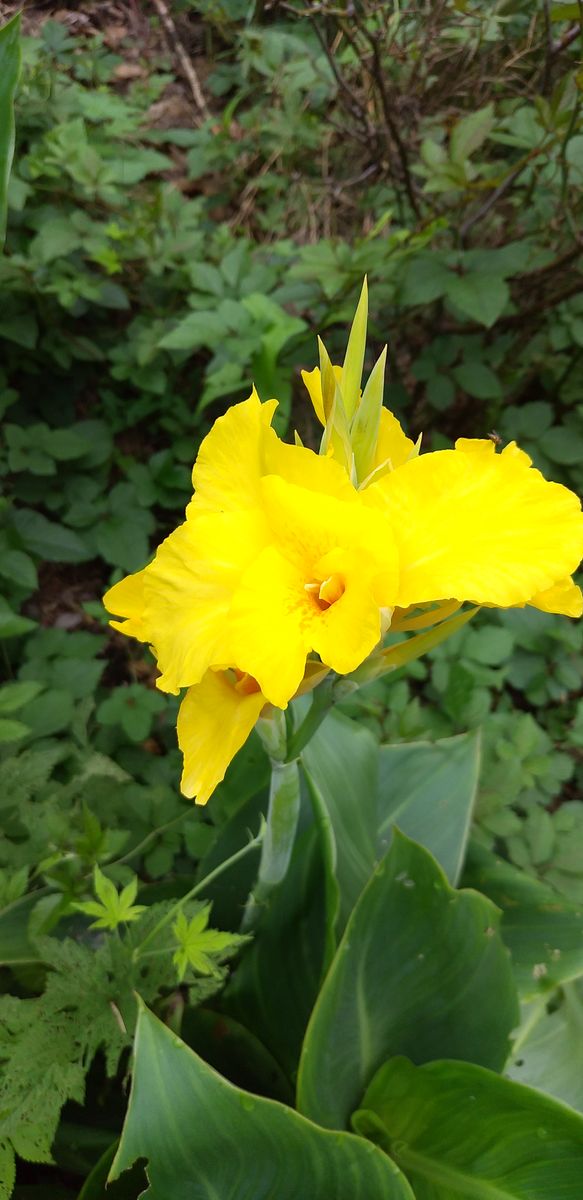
[414,974]
[205,1139]
[462,1133]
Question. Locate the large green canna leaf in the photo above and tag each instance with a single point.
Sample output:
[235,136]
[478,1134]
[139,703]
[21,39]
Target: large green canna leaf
[543,931]
[421,970]
[361,793]
[428,789]
[341,763]
[9,71]
[276,983]
[206,1140]
[548,1051]
[462,1133]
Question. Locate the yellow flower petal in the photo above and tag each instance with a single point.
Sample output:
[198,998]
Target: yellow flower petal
[189,589]
[479,526]
[348,631]
[392,443]
[564,597]
[214,721]
[230,460]
[299,465]
[313,382]
[126,598]
[319,586]
[269,626]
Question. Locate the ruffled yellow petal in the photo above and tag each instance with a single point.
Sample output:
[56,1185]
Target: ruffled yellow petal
[564,597]
[230,460]
[475,525]
[127,599]
[214,721]
[189,589]
[299,465]
[393,444]
[269,626]
[313,382]
[348,631]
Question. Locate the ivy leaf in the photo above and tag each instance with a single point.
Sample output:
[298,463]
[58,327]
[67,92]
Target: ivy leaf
[112,908]
[199,947]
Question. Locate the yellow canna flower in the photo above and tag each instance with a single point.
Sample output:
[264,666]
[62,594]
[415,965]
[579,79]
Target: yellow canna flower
[279,558]
[285,568]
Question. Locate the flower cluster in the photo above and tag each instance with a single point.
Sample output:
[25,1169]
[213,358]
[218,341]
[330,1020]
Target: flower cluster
[291,563]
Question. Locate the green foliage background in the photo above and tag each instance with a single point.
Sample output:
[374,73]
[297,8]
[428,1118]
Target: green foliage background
[160,257]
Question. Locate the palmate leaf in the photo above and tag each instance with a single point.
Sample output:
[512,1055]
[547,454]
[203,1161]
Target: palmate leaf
[112,908]
[205,1139]
[48,1043]
[415,973]
[199,947]
[460,1132]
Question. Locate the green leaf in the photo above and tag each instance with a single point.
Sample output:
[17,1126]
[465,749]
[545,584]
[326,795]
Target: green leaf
[9,72]
[414,974]
[201,948]
[354,357]
[341,766]
[543,931]
[490,645]
[458,1131]
[7,1158]
[478,295]
[204,1138]
[563,445]
[365,427]
[14,695]
[11,624]
[548,1053]
[49,712]
[19,569]
[470,132]
[12,731]
[272,993]
[427,278]
[15,946]
[428,791]
[112,908]
[47,540]
[478,380]
[565,12]
[280,831]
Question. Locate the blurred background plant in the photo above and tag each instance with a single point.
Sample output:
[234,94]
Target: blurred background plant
[198,188]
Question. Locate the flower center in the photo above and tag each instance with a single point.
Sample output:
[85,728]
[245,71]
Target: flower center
[245,684]
[327,592]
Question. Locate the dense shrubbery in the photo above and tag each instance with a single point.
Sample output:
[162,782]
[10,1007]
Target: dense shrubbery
[157,262]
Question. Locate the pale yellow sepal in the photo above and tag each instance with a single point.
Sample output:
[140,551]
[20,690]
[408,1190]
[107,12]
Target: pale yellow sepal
[313,382]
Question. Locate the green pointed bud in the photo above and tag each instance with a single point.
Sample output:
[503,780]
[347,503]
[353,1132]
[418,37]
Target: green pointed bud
[336,432]
[354,358]
[365,426]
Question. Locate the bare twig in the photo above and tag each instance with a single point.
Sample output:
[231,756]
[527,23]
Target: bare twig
[566,40]
[391,124]
[185,62]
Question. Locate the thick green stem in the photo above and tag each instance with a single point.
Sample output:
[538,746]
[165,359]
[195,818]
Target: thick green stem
[280,832]
[322,701]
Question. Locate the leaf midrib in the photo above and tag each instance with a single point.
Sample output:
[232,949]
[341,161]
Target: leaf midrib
[468,1187]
